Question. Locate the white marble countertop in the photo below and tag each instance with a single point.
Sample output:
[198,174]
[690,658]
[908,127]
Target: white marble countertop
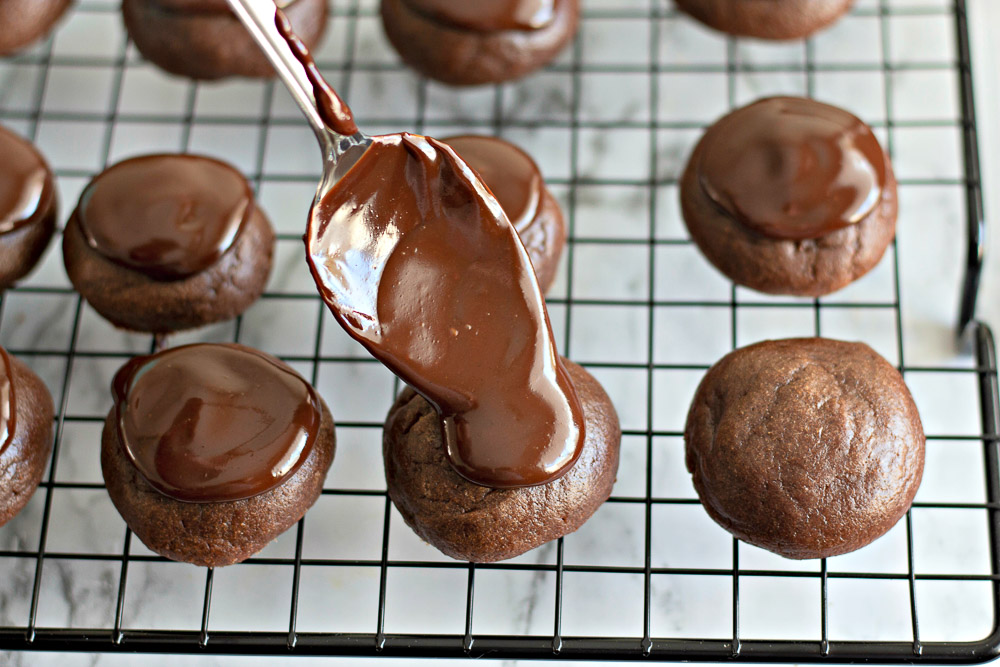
[984,25]
[930,256]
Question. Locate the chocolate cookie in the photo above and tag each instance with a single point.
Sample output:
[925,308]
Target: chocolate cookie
[203,39]
[790,196]
[168,242]
[471,43]
[28,205]
[229,449]
[806,447]
[767,19]
[481,524]
[514,179]
[25,434]
[26,21]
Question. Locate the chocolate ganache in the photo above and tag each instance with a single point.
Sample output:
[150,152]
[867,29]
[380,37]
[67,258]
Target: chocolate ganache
[8,413]
[510,174]
[214,423]
[419,263]
[167,216]
[792,168]
[335,114]
[488,15]
[26,188]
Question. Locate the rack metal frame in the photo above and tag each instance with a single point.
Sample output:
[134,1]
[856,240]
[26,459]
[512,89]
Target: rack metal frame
[555,645]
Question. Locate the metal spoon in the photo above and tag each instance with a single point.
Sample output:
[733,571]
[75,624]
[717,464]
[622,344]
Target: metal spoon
[315,98]
[419,263]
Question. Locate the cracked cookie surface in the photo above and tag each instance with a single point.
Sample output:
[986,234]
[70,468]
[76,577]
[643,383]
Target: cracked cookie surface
[806,447]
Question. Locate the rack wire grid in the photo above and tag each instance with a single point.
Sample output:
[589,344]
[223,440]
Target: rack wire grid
[650,576]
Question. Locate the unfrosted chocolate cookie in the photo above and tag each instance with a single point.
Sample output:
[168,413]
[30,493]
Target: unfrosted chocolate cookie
[482,524]
[162,243]
[472,43]
[25,434]
[28,206]
[23,22]
[515,180]
[203,39]
[767,19]
[790,196]
[229,449]
[806,447]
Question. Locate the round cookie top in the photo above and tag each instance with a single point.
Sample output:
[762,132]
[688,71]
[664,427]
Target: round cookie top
[27,189]
[8,407]
[167,216]
[214,422]
[510,174]
[488,15]
[806,447]
[792,168]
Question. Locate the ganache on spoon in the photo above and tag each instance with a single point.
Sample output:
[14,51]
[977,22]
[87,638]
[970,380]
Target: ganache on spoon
[418,262]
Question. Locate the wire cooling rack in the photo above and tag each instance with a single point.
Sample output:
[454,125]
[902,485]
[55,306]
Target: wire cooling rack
[650,576]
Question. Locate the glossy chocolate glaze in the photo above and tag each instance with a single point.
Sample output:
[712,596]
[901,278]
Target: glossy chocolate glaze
[488,15]
[214,423]
[510,174]
[421,265]
[8,412]
[792,168]
[27,190]
[332,110]
[167,216]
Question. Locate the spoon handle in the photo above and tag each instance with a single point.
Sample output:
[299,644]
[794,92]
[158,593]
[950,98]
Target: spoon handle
[259,18]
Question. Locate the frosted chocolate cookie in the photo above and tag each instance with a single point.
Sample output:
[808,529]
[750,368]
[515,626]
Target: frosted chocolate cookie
[162,243]
[806,447]
[478,523]
[212,451]
[203,39]
[28,207]
[418,263]
[471,43]
[26,414]
[516,182]
[767,19]
[790,196]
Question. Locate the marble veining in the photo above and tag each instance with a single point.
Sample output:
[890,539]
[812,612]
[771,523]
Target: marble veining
[613,151]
